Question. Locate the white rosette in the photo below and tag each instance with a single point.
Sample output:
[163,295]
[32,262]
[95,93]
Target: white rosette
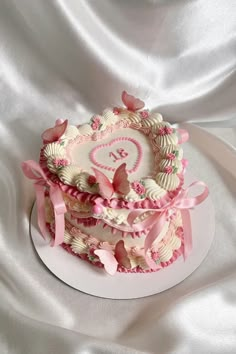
[170,149]
[120,219]
[169,182]
[109,117]
[153,190]
[134,117]
[67,237]
[164,140]
[152,121]
[175,243]
[165,252]
[50,163]
[81,182]
[109,213]
[68,174]
[175,164]
[85,129]
[52,152]
[54,149]
[78,246]
[70,133]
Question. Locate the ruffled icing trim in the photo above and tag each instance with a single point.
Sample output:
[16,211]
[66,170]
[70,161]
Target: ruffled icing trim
[135,268]
[73,192]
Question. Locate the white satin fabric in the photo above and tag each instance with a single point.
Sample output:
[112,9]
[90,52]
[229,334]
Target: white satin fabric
[68,59]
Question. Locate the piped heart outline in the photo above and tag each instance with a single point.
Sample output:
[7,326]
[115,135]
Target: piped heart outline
[137,162]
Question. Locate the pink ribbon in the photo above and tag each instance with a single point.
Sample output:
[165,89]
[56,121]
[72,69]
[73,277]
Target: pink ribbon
[157,220]
[33,171]
[184,136]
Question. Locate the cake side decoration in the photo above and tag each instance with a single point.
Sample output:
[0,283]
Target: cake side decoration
[33,171]
[111,192]
[156,221]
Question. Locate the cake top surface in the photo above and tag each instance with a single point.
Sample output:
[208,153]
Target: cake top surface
[126,157]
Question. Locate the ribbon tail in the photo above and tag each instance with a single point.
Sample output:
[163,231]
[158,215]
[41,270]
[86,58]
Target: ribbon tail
[59,211]
[151,237]
[188,243]
[40,202]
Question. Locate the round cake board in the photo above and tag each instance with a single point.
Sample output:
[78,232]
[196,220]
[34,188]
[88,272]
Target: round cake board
[89,279]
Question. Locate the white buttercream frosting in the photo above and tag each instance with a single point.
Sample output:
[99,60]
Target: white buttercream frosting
[165,253]
[175,243]
[132,196]
[78,245]
[153,190]
[67,237]
[109,116]
[68,174]
[120,219]
[173,163]
[81,182]
[134,117]
[115,215]
[50,163]
[71,132]
[170,149]
[166,250]
[167,181]
[163,140]
[85,129]
[152,121]
[54,149]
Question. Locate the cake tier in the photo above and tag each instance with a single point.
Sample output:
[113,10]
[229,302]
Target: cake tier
[84,236]
[122,156]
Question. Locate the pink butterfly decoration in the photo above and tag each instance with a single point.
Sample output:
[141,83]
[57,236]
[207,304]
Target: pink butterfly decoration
[120,182]
[131,102]
[111,261]
[53,134]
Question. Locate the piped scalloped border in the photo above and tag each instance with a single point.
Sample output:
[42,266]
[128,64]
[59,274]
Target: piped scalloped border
[167,170]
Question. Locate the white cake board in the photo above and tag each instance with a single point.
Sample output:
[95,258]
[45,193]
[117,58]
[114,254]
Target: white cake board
[82,276]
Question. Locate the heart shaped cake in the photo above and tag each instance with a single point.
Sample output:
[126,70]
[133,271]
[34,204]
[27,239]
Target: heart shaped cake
[111,191]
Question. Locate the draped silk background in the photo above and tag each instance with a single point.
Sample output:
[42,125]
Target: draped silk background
[68,59]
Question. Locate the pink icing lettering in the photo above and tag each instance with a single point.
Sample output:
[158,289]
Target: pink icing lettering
[112,154]
[120,152]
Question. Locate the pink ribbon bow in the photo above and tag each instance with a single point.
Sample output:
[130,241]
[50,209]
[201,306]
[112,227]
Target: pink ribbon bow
[157,220]
[33,171]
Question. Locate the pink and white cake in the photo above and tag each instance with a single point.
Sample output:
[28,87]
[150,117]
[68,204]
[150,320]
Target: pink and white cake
[111,191]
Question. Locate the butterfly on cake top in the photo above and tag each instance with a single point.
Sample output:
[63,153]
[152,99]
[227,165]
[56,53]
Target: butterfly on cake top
[111,191]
